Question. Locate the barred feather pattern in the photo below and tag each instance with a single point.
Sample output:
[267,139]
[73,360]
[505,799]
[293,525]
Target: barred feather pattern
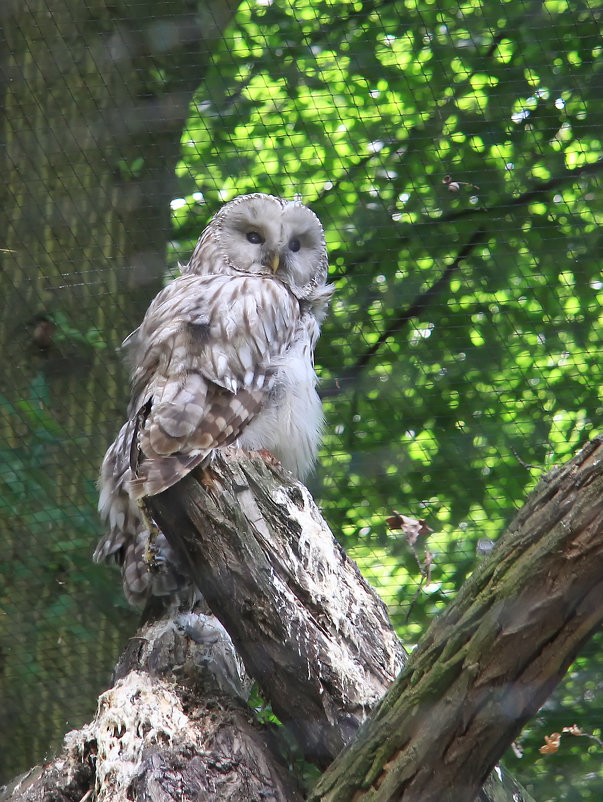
[224,356]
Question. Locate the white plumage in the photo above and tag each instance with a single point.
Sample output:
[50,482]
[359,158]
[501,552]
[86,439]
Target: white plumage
[223,356]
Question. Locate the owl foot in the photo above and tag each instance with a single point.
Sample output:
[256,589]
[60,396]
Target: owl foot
[151,551]
[268,457]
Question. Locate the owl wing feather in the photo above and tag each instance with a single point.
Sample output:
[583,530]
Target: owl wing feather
[204,357]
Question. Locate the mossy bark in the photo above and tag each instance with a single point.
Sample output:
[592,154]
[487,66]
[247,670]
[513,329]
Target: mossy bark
[491,660]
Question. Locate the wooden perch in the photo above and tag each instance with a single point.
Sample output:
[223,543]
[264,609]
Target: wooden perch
[490,661]
[308,627]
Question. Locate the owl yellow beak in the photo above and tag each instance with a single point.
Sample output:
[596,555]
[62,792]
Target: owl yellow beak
[275,262]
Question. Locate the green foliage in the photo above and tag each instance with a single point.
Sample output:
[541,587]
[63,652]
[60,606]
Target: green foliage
[67,336]
[46,547]
[306,773]
[28,494]
[452,152]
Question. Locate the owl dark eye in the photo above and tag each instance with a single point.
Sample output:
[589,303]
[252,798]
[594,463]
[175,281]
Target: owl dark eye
[294,245]
[255,238]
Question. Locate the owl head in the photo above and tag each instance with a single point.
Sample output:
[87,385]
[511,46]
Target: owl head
[264,235]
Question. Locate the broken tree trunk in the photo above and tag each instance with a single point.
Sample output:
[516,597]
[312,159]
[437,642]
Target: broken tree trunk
[308,627]
[490,661]
[175,726]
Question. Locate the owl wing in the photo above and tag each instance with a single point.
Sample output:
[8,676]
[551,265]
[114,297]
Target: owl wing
[204,360]
[127,540]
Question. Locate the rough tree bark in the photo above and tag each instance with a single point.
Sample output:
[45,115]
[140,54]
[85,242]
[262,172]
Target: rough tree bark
[307,625]
[491,660]
[175,726]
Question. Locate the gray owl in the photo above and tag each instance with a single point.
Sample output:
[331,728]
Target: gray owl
[224,356]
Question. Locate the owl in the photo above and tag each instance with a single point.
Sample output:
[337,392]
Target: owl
[224,356]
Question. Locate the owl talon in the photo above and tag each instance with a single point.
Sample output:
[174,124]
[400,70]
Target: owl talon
[152,558]
[205,478]
[268,457]
[150,526]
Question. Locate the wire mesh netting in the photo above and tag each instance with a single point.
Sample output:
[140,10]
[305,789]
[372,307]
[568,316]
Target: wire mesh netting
[452,151]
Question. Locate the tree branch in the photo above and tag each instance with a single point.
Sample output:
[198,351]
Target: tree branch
[306,624]
[175,725]
[523,199]
[491,660]
[432,293]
